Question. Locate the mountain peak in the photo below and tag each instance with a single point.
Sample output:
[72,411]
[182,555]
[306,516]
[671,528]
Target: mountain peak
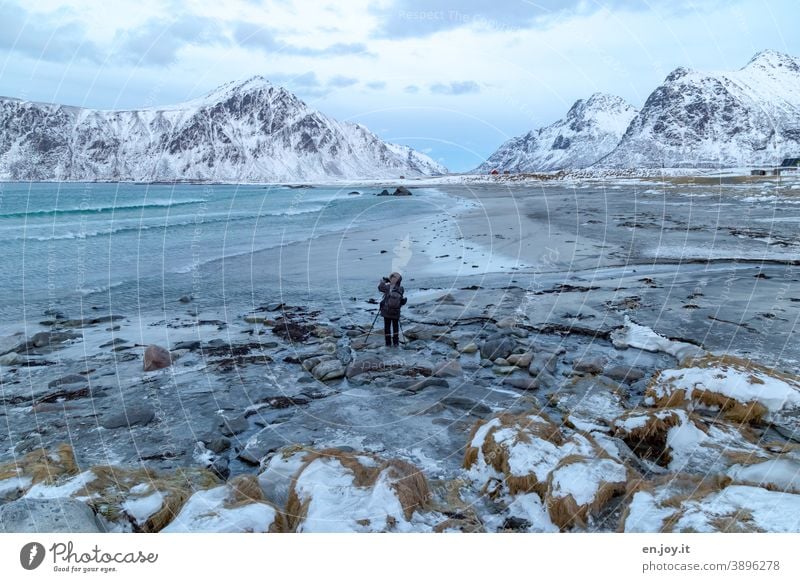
[248,85]
[771,59]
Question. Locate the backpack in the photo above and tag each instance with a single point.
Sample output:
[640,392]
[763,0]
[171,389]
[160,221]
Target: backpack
[395,299]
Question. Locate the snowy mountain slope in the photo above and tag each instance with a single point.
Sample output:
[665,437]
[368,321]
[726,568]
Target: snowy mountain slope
[740,118]
[591,129]
[241,131]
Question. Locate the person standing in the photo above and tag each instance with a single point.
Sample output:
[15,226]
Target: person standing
[393,300]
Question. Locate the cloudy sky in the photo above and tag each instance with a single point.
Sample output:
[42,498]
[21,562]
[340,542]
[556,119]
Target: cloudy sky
[453,78]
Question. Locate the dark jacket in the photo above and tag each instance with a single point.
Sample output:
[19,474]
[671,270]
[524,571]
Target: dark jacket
[386,311]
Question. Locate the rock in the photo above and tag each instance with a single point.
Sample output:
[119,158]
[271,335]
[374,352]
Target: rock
[292,331]
[419,385]
[274,306]
[449,368]
[467,404]
[261,444]
[470,348]
[258,319]
[506,323]
[363,364]
[429,333]
[543,361]
[328,370]
[132,415]
[501,362]
[221,468]
[117,341]
[344,354]
[233,426]
[520,360]
[190,345]
[11,343]
[156,358]
[497,347]
[401,191]
[63,515]
[54,313]
[185,299]
[624,374]
[11,359]
[218,445]
[73,323]
[68,379]
[384,192]
[589,365]
[48,338]
[522,383]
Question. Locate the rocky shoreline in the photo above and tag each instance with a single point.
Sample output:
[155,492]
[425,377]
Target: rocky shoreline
[551,406]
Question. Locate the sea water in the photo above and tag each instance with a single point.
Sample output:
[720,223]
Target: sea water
[67,246]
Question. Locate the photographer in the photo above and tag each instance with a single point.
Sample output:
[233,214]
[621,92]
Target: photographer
[391,303]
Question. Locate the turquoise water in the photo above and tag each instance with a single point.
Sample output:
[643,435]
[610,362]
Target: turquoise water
[66,244]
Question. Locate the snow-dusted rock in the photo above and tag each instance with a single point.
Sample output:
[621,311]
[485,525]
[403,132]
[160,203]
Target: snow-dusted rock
[580,487]
[516,453]
[682,504]
[683,442]
[742,391]
[331,490]
[237,507]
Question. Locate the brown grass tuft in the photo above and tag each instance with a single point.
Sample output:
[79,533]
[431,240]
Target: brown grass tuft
[565,511]
[730,408]
[43,466]
[408,482]
[649,441]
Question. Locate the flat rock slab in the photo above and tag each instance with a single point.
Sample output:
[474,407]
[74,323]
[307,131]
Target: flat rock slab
[261,444]
[135,414]
[47,516]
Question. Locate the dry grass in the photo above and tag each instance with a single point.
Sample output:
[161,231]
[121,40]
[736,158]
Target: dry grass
[730,408]
[408,482]
[42,466]
[112,486]
[527,427]
[565,512]
[649,441]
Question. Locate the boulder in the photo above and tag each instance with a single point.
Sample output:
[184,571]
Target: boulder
[624,374]
[470,348]
[543,362]
[61,515]
[520,360]
[448,368]
[233,426]
[384,192]
[497,346]
[156,358]
[401,191]
[522,383]
[589,365]
[329,370]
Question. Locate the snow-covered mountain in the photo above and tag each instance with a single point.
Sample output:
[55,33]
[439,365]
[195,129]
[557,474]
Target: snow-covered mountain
[242,131]
[591,129]
[740,118]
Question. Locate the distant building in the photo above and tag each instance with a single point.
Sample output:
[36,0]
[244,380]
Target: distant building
[790,163]
[494,172]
